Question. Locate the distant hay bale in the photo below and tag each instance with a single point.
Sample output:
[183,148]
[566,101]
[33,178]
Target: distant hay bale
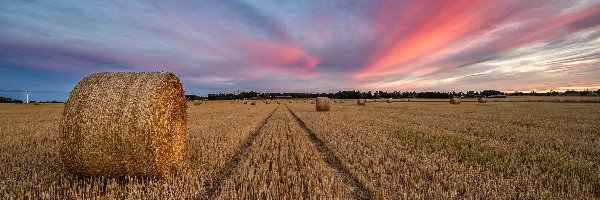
[245,102]
[252,103]
[278,102]
[322,104]
[36,103]
[481,100]
[124,124]
[312,102]
[454,101]
[361,102]
[197,102]
[389,101]
[268,102]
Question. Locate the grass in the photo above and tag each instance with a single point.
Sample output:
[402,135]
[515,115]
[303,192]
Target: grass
[463,150]
[477,153]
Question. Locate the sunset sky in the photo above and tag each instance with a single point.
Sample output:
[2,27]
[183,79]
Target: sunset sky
[46,47]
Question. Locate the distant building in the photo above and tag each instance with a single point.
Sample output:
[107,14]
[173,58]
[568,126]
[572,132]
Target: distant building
[497,96]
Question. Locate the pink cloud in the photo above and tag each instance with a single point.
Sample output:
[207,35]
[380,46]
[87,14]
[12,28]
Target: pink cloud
[409,42]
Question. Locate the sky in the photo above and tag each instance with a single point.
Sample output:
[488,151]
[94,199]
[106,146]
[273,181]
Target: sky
[47,46]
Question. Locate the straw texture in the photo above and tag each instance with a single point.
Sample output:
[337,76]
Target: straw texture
[124,123]
[361,102]
[454,101]
[322,104]
[197,102]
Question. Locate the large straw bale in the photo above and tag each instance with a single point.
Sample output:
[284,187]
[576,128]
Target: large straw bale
[124,123]
[481,100]
[322,104]
[197,102]
[454,101]
[361,102]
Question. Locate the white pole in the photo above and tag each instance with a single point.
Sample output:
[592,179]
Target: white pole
[27,101]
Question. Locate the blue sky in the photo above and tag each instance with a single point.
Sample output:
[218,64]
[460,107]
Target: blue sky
[46,47]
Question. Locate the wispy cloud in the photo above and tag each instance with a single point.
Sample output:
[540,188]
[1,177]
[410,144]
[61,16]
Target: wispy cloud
[312,45]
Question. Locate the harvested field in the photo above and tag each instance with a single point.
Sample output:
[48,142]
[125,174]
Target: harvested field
[283,164]
[216,132]
[512,150]
[399,150]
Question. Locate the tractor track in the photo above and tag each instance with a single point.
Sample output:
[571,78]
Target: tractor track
[214,185]
[357,190]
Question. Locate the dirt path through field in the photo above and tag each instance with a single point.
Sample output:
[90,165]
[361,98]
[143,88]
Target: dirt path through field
[283,163]
[213,186]
[358,191]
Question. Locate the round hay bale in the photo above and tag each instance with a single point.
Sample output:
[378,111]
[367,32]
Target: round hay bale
[312,102]
[124,124]
[278,102]
[454,101]
[322,104]
[389,101]
[481,100]
[245,102]
[36,103]
[197,102]
[361,102]
[252,103]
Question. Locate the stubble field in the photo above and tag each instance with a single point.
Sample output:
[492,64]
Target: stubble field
[399,150]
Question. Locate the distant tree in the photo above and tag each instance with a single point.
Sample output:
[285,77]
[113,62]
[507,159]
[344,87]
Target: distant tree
[9,100]
[191,97]
[553,93]
[490,92]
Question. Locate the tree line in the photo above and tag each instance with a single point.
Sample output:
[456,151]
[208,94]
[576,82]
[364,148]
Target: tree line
[9,100]
[356,94]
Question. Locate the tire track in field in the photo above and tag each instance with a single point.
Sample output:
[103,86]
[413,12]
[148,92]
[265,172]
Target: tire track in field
[214,185]
[358,191]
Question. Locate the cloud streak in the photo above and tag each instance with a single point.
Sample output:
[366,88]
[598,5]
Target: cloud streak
[221,46]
